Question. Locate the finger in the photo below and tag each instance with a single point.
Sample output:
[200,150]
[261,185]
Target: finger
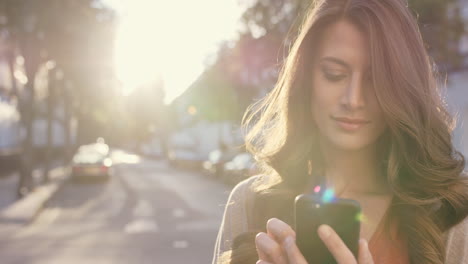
[279,230]
[336,246]
[365,257]
[292,251]
[269,250]
[262,262]
[260,249]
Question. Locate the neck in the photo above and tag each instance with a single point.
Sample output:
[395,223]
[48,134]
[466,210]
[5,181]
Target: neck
[353,172]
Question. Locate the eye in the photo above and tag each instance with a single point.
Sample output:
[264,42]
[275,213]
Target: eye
[334,77]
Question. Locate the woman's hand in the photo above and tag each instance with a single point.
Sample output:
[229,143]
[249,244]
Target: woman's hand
[278,246]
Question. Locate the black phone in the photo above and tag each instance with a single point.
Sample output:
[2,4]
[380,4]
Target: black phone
[343,215]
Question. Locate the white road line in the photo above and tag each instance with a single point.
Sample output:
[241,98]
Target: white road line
[178,213]
[139,226]
[202,225]
[180,244]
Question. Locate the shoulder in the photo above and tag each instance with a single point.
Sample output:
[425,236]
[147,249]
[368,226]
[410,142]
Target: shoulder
[459,229]
[245,187]
[241,198]
[240,205]
[236,215]
[240,202]
[457,243]
[464,173]
[245,190]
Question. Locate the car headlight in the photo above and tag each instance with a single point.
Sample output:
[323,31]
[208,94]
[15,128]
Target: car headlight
[107,162]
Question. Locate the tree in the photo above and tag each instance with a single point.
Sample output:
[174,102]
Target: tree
[22,23]
[440,21]
[79,36]
[442,27]
[76,34]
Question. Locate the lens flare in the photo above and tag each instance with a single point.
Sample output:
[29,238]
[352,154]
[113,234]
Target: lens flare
[328,196]
[360,217]
[317,189]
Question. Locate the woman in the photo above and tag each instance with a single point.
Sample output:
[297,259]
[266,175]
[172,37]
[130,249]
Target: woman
[356,104]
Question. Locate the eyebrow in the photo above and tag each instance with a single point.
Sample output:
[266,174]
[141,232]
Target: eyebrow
[336,60]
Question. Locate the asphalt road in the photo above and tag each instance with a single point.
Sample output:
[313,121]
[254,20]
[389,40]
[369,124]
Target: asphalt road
[146,213]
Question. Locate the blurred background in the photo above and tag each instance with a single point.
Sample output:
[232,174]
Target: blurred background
[120,132]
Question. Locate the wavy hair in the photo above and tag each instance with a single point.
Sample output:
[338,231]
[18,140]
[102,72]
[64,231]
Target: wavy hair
[418,161]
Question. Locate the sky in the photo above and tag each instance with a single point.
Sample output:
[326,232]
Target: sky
[170,40]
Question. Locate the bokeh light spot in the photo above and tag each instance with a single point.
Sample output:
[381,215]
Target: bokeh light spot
[328,196]
[192,110]
[360,217]
[317,189]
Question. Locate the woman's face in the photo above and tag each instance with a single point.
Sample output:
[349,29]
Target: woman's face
[344,106]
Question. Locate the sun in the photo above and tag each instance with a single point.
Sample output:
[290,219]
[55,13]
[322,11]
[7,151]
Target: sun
[170,40]
[138,54]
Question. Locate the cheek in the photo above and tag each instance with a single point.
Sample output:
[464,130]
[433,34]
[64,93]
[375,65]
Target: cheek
[321,107]
[315,106]
[317,103]
[379,118]
[314,109]
[323,100]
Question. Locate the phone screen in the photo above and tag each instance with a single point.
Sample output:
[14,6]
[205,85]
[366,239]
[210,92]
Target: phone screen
[343,215]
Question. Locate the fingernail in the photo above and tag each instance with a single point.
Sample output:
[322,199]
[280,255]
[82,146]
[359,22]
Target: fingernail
[324,231]
[271,220]
[260,236]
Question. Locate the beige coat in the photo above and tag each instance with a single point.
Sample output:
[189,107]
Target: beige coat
[240,203]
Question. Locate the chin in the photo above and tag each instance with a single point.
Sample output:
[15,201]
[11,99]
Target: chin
[350,144]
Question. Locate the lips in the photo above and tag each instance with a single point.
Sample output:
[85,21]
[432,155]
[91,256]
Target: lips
[351,120]
[350,125]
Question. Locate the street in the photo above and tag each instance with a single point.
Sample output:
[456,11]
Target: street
[146,213]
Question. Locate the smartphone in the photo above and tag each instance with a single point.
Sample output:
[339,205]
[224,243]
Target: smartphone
[343,215]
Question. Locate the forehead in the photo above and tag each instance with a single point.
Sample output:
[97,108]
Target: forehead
[343,40]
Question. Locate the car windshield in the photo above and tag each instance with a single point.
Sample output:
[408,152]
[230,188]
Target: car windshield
[88,157]
[99,148]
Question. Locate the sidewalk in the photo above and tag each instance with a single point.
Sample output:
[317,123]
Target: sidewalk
[23,211]
[8,185]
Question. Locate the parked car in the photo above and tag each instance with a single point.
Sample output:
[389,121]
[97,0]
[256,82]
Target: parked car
[216,159]
[92,162]
[239,168]
[183,151]
[153,149]
[185,158]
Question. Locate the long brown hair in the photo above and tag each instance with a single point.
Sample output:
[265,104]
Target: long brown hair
[418,160]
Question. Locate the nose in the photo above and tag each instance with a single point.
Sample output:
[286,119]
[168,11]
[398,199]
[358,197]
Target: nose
[353,97]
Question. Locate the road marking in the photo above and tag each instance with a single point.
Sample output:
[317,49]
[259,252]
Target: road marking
[180,244]
[203,225]
[178,213]
[139,226]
